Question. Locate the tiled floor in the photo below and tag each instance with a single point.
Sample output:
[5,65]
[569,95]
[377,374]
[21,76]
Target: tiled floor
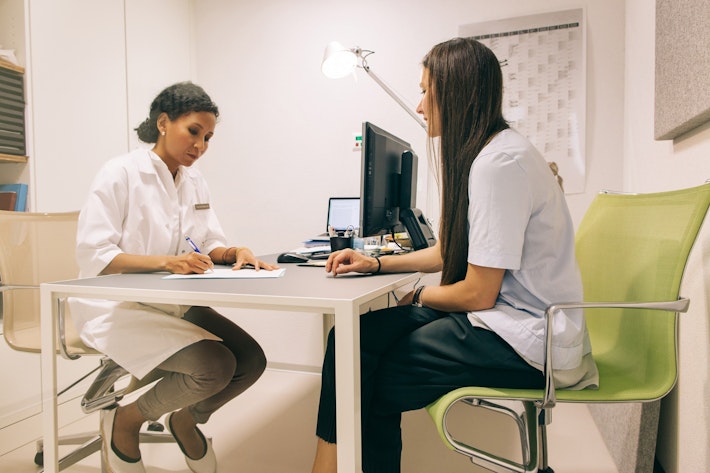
[270,428]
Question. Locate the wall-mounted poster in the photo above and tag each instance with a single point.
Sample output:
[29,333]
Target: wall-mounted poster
[543,59]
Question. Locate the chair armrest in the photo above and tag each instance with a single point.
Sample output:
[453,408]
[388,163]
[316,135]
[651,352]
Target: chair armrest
[61,325]
[12,287]
[62,331]
[549,399]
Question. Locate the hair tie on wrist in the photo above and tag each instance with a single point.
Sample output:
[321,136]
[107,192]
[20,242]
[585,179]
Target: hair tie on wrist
[379,264]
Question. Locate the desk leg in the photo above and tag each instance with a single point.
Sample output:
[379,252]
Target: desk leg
[48,317]
[347,388]
[328,322]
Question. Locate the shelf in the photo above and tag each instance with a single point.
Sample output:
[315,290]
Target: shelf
[13,67]
[9,158]
[12,113]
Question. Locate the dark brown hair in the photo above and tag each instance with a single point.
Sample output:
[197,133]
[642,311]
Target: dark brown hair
[175,100]
[466,86]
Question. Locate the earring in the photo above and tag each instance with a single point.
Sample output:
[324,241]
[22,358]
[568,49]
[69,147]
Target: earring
[162,133]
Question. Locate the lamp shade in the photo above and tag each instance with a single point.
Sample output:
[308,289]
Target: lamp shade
[338,61]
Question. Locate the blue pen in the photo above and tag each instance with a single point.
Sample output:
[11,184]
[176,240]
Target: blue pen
[195,248]
[192,244]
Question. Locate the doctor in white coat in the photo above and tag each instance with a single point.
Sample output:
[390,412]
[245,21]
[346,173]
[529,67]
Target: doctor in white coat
[140,209]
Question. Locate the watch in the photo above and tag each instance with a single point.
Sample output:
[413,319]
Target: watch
[417,297]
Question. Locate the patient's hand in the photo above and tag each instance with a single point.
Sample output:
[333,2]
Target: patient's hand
[347,261]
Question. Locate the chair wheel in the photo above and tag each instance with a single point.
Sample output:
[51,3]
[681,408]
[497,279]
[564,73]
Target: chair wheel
[39,458]
[155,427]
[546,470]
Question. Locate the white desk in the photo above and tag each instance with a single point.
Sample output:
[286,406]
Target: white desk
[300,289]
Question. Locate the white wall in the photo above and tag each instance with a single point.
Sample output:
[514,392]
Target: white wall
[650,166]
[157,56]
[80,87]
[288,130]
[77,96]
[284,140]
[93,70]
[283,143]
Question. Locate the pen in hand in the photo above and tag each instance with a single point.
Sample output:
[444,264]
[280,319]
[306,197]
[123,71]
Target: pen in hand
[195,249]
[192,244]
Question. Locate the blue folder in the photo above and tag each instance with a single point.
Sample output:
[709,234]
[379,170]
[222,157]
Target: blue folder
[21,191]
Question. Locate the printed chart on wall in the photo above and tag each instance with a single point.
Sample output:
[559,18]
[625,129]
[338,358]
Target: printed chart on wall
[544,77]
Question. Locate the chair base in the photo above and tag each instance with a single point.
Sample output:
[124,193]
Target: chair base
[531,425]
[90,443]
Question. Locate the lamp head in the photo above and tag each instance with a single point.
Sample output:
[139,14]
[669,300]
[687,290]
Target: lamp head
[338,61]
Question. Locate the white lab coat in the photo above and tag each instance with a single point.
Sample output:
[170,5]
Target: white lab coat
[135,206]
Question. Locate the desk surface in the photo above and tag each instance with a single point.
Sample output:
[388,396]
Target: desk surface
[303,288]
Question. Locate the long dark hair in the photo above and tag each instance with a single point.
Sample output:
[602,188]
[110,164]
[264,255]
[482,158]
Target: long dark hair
[467,84]
[175,100]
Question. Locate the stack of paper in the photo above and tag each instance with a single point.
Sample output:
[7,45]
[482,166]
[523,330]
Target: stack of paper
[229,273]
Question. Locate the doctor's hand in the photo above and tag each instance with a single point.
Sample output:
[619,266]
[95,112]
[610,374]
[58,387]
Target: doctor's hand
[347,261]
[246,257]
[189,263]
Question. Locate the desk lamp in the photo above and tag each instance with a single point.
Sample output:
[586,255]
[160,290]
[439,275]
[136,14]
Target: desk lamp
[339,61]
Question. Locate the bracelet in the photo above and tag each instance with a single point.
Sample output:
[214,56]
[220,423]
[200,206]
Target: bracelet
[224,255]
[236,252]
[417,297]
[379,264]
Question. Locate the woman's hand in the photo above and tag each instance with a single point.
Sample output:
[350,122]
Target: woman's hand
[407,299]
[246,257]
[346,261]
[189,263]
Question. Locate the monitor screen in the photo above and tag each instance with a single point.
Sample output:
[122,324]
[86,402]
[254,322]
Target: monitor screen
[386,186]
[343,213]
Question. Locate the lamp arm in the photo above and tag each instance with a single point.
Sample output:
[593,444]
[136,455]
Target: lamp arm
[396,98]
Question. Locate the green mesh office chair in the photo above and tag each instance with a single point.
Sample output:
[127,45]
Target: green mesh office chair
[632,250]
[37,248]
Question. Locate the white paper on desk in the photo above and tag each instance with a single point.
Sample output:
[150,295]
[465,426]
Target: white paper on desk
[228,273]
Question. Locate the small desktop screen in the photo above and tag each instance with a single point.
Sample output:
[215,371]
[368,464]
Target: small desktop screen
[343,213]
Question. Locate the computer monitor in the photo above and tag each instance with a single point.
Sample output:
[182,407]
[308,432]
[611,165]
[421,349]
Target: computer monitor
[343,213]
[388,187]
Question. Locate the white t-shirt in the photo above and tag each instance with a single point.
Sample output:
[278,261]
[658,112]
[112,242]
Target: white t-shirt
[519,221]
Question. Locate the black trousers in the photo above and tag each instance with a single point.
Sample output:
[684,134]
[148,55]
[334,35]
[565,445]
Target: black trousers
[411,356]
